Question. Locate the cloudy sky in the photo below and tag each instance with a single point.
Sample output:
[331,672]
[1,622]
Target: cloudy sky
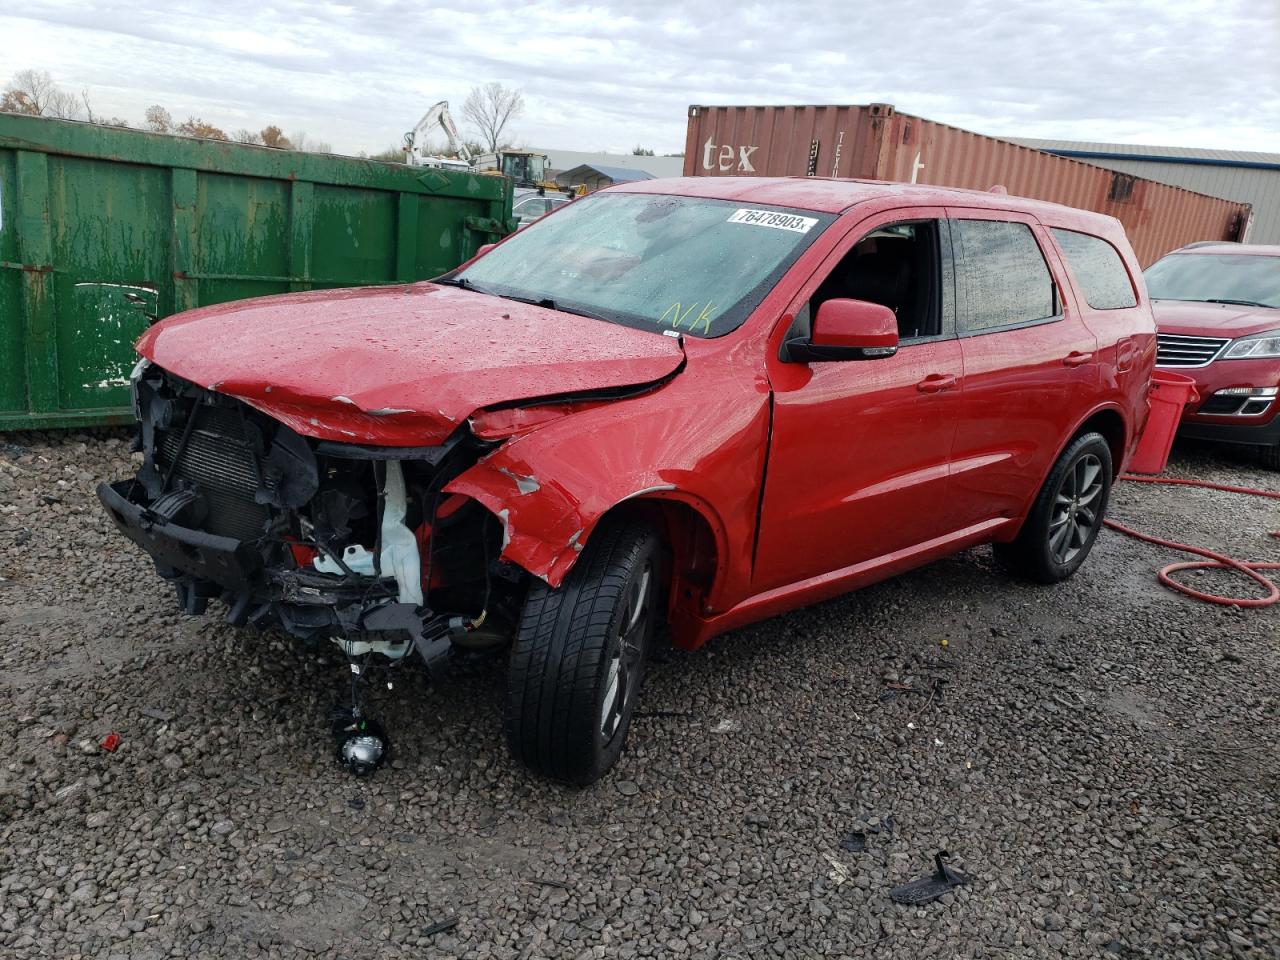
[611,74]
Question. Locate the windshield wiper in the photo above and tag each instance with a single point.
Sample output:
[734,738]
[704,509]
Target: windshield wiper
[1238,303]
[549,304]
[460,282]
[545,302]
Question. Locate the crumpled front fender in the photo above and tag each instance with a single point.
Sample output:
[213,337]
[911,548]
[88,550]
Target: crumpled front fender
[543,526]
[551,485]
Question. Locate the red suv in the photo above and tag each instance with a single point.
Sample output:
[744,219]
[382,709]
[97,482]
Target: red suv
[1217,307]
[695,403]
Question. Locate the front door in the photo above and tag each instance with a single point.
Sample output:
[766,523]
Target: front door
[858,461]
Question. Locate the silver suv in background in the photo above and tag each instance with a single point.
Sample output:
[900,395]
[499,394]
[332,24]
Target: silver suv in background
[529,205]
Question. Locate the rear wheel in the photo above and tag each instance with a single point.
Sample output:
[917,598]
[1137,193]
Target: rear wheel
[1067,514]
[579,657]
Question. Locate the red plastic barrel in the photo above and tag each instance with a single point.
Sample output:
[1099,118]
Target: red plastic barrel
[1170,392]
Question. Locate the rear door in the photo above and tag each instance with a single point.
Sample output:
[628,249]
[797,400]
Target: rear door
[858,459]
[1108,301]
[1029,361]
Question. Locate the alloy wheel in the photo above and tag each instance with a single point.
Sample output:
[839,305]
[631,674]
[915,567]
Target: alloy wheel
[624,667]
[1076,509]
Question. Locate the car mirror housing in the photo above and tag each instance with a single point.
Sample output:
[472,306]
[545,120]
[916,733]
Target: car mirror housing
[846,330]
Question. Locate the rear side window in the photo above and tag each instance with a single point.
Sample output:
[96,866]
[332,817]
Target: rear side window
[1002,279]
[1098,269]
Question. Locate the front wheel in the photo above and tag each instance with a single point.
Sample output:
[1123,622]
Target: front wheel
[1067,514]
[578,660]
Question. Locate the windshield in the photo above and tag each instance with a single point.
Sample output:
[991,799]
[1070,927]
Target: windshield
[523,167]
[1234,278]
[650,261]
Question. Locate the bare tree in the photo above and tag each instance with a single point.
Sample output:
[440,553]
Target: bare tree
[246,136]
[99,118]
[158,119]
[299,140]
[34,93]
[489,109]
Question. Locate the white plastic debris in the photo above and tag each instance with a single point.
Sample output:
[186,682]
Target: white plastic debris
[399,557]
[399,546]
[357,558]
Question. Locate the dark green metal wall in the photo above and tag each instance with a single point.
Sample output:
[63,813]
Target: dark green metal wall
[102,230]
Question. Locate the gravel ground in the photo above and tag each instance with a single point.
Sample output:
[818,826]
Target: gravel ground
[1102,760]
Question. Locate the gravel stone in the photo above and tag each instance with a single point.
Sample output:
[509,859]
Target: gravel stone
[1099,760]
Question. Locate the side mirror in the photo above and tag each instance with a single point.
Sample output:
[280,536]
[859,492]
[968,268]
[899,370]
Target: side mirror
[846,330]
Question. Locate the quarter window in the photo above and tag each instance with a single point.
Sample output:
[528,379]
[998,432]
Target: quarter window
[1002,279]
[1098,269]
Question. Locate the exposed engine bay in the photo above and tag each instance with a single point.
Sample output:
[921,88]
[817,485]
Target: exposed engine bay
[355,544]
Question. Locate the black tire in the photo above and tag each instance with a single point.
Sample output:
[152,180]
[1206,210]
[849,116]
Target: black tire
[1067,514]
[563,716]
[1270,456]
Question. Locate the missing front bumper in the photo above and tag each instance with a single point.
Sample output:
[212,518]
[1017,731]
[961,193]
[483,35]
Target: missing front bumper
[361,616]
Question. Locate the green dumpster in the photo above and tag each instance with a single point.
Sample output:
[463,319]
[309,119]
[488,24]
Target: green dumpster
[103,230]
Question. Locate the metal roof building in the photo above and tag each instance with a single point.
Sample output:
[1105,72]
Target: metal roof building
[596,176]
[1232,174]
[561,160]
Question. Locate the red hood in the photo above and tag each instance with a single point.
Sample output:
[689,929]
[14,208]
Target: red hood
[400,365]
[1190,319]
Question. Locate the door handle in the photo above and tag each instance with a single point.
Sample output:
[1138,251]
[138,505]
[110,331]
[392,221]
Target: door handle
[936,383]
[1076,359]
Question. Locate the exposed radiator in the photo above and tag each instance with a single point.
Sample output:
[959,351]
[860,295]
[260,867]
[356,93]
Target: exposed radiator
[217,458]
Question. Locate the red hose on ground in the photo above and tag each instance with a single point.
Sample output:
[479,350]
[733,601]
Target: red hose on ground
[1215,561]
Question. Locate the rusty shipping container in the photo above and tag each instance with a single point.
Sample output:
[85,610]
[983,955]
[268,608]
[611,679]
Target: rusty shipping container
[875,142]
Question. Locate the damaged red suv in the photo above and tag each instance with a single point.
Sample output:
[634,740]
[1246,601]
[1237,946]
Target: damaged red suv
[1217,309]
[692,403]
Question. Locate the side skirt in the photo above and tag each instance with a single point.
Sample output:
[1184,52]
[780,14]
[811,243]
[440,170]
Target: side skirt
[691,633]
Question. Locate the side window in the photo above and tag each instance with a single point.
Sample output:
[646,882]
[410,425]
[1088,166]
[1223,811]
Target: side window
[532,207]
[1098,269]
[899,266]
[1002,279]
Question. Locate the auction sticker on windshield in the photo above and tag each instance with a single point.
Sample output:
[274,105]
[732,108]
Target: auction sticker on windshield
[769,218]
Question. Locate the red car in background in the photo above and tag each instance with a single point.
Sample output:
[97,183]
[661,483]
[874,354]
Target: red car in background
[695,402]
[1217,310]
